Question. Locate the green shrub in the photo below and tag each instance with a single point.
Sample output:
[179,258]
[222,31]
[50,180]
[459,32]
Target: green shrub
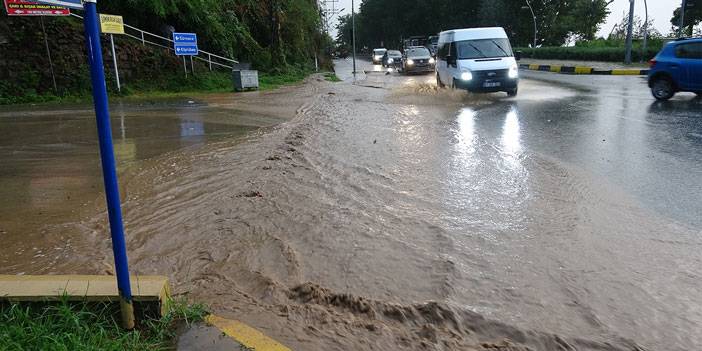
[577,53]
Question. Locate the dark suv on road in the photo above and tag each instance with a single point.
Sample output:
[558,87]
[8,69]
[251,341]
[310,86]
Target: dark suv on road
[678,67]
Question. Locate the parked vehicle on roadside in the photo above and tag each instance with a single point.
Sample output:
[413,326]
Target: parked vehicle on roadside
[477,60]
[418,59]
[677,68]
[378,55]
[392,59]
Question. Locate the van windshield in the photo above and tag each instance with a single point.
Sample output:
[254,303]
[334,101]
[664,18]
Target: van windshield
[483,48]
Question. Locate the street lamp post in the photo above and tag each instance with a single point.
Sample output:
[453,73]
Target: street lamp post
[629,33]
[682,18]
[533,15]
[645,38]
[353,35]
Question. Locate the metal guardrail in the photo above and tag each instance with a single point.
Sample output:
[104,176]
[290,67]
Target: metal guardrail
[150,38]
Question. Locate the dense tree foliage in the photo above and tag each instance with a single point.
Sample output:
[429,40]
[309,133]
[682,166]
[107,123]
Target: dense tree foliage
[268,32]
[386,22]
[279,37]
[693,17]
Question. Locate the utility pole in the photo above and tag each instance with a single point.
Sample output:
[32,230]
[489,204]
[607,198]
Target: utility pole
[533,15]
[682,18]
[629,33]
[645,38]
[353,35]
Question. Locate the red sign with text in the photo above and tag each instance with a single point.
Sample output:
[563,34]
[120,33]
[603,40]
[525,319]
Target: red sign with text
[29,8]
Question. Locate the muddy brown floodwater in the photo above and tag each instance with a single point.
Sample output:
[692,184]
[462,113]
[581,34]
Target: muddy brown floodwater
[384,215]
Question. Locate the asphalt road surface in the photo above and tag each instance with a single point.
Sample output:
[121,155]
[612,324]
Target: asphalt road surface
[388,214]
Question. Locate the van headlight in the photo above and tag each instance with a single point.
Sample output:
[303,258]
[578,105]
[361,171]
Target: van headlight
[432,61]
[390,60]
[514,72]
[467,75]
[410,62]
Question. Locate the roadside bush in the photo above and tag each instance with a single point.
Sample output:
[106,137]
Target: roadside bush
[578,53]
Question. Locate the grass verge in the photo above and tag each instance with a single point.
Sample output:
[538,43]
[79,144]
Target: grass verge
[331,77]
[88,326]
[163,87]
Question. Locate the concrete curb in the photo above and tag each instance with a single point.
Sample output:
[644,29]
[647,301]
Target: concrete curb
[583,70]
[152,290]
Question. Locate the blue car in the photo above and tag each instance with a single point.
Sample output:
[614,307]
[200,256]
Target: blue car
[678,67]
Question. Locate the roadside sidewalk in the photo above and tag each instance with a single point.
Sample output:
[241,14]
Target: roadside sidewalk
[584,67]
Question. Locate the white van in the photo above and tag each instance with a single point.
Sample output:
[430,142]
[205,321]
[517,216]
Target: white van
[477,60]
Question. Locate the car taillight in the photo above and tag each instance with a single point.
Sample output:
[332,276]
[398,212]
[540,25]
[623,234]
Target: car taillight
[652,63]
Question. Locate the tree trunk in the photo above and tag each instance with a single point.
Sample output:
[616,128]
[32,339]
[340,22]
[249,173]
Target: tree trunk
[277,53]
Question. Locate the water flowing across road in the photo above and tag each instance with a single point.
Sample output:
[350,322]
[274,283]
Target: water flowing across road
[387,215]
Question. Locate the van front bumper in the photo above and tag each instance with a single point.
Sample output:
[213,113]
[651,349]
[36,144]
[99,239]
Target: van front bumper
[488,85]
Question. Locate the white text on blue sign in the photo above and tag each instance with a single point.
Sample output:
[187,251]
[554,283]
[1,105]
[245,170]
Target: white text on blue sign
[185,38]
[72,4]
[186,50]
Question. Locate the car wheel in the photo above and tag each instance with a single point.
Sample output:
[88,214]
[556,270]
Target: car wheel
[513,92]
[453,84]
[662,89]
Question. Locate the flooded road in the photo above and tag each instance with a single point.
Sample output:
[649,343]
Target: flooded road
[388,215]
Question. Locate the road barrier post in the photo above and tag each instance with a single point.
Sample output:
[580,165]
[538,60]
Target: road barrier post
[109,171]
[114,62]
[209,60]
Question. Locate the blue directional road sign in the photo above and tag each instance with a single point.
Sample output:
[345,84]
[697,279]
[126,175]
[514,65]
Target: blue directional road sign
[71,4]
[185,44]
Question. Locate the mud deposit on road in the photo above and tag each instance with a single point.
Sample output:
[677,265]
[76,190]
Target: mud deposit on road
[402,218]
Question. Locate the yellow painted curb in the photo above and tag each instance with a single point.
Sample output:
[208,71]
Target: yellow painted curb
[556,68]
[534,67]
[42,288]
[244,334]
[626,72]
[583,70]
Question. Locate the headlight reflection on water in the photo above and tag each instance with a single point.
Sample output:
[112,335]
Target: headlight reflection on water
[511,134]
[466,130]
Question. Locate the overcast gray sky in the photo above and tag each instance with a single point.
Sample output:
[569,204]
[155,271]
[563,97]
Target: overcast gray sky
[659,10]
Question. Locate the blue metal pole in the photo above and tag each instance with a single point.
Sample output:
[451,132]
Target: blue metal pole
[109,172]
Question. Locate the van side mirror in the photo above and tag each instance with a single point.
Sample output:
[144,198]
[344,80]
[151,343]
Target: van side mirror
[518,55]
[451,60]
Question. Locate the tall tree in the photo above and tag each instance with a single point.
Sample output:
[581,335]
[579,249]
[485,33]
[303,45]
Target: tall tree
[693,17]
[387,21]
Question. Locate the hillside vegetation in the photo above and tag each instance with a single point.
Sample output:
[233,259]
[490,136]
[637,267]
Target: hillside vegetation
[278,37]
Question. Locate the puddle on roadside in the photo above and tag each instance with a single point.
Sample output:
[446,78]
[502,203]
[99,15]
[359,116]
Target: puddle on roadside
[50,165]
